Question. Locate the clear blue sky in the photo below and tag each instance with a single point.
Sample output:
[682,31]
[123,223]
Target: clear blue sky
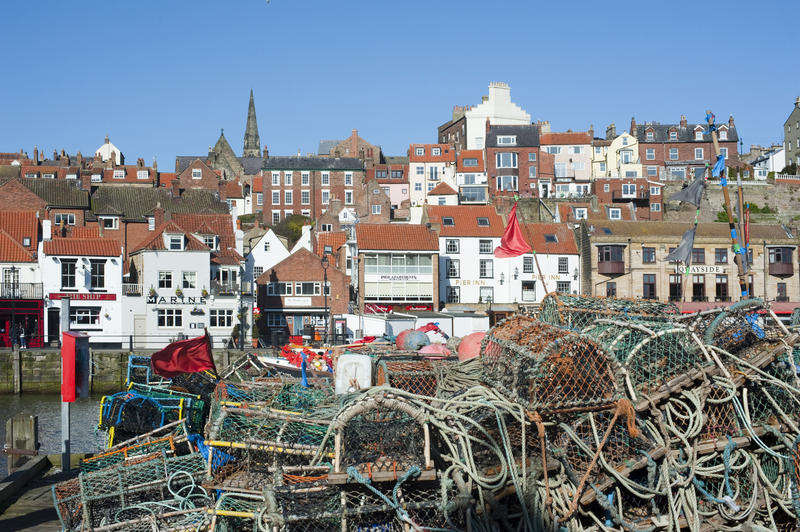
[161,77]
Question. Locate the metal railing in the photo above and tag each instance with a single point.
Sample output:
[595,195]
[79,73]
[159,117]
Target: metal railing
[131,289]
[21,291]
[231,288]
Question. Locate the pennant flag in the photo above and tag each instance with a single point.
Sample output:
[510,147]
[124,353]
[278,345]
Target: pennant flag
[691,194]
[683,252]
[719,166]
[184,356]
[513,243]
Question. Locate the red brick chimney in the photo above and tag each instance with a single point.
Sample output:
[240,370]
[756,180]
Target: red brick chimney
[176,188]
[730,121]
[36,155]
[633,127]
[266,152]
[354,143]
[683,120]
[158,214]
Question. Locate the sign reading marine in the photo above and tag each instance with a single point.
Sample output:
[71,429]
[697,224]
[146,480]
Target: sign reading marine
[175,300]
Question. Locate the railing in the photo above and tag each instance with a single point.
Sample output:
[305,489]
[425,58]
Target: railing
[21,291]
[787,177]
[230,288]
[722,298]
[782,298]
[619,196]
[131,289]
[699,298]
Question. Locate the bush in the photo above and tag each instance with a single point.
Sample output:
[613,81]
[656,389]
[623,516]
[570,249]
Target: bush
[790,169]
[291,227]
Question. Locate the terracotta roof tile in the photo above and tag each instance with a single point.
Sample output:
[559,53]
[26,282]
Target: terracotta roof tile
[208,224]
[130,173]
[12,251]
[334,239]
[470,154]
[448,153]
[83,247]
[540,238]
[577,137]
[85,232]
[297,267]
[165,179]
[465,220]
[396,237]
[228,256]
[156,242]
[232,189]
[20,225]
[258,184]
[442,189]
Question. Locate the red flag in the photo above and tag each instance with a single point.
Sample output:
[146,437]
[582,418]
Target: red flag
[184,356]
[513,243]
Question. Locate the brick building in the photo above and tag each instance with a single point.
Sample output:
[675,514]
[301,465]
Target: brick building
[643,195]
[392,176]
[61,202]
[678,151]
[513,160]
[353,146]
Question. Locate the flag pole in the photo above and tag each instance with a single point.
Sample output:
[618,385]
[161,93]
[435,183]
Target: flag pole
[535,257]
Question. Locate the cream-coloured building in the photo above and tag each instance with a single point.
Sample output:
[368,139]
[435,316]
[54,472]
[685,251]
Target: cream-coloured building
[617,158]
[628,259]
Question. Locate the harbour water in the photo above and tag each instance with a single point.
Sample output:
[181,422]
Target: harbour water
[84,418]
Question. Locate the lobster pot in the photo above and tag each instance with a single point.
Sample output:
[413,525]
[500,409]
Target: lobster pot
[743,325]
[762,397]
[577,312]
[652,352]
[380,437]
[415,376]
[548,369]
[110,495]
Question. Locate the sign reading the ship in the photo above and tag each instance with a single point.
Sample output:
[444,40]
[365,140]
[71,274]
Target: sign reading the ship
[82,297]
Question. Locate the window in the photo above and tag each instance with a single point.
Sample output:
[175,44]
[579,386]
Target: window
[453,268]
[287,197]
[655,191]
[506,140]
[220,317]
[529,291]
[698,256]
[673,154]
[305,197]
[486,293]
[550,238]
[486,269]
[325,178]
[276,217]
[723,134]
[677,173]
[348,197]
[420,170]
[527,264]
[649,135]
[379,174]
[648,255]
[165,279]
[170,317]
[655,207]
[470,161]
[397,174]
[453,294]
[698,154]
[287,178]
[652,171]
[673,135]
[98,274]
[698,287]
[506,160]
[109,222]
[326,197]
[721,291]
[259,198]
[649,286]
[26,241]
[376,209]
[563,287]
[675,287]
[82,316]
[304,178]
[628,190]
[72,176]
[448,221]
[175,242]
[96,178]
[614,214]
[276,197]
[433,173]
[417,187]
[64,219]
[626,156]
[48,176]
[189,280]
[276,179]
[650,154]
[257,271]
[561,169]
[451,245]
[698,135]
[327,228]
[581,213]
[780,255]
[601,167]
[485,246]
[419,152]
[720,256]
[563,264]
[68,273]
[611,289]
[348,179]
[436,152]
[507,182]
[606,187]
[119,174]
[724,152]
[609,254]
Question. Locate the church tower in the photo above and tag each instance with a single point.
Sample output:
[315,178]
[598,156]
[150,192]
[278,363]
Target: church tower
[252,143]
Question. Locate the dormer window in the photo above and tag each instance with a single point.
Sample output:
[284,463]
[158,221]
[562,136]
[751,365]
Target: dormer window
[472,161]
[142,174]
[30,175]
[97,178]
[483,222]
[109,222]
[72,176]
[419,152]
[436,152]
[210,241]
[650,135]
[698,134]
[197,173]
[448,221]
[550,238]
[673,135]
[119,174]
[175,242]
[723,134]
[506,140]
[48,176]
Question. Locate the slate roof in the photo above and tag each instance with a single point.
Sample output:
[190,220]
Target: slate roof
[182,162]
[251,165]
[325,146]
[136,203]
[9,171]
[13,251]
[565,238]
[396,159]
[83,247]
[396,237]
[313,163]
[56,193]
[465,220]
[527,135]
[685,134]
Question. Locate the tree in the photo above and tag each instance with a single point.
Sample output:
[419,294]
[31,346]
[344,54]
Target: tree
[291,227]
[790,169]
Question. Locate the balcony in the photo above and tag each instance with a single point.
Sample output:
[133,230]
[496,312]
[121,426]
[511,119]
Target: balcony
[230,289]
[782,298]
[613,267]
[781,268]
[699,298]
[722,298]
[640,197]
[21,291]
[131,289]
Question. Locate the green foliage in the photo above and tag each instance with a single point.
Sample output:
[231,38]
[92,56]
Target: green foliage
[248,218]
[291,227]
[789,169]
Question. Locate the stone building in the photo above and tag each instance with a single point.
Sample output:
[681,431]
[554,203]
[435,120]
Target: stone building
[791,135]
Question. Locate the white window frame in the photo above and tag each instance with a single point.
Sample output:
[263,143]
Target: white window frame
[655,190]
[348,197]
[506,140]
[580,213]
[628,190]
[436,152]
[172,240]
[288,198]
[287,179]
[259,198]
[615,214]
[417,187]
[276,179]
[723,134]
[305,197]
[325,178]
[142,174]
[511,161]
[188,279]
[104,220]
[673,135]
[532,172]
[513,181]
[419,152]
[675,152]
[650,154]
[652,171]
[655,207]
[376,209]
[724,152]
[276,197]
[197,173]
[698,154]
[119,174]
[70,218]
[164,279]
[276,217]
[304,178]
[348,179]
[326,197]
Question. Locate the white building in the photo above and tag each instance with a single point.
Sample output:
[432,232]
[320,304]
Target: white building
[266,252]
[771,161]
[108,151]
[88,271]
[429,165]
[498,109]
[619,159]
[473,184]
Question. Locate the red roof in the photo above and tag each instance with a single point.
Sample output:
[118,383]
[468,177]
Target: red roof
[232,189]
[208,224]
[84,232]
[470,154]
[577,137]
[226,256]
[540,238]
[59,172]
[156,242]
[83,247]
[12,251]
[447,154]
[465,220]
[166,178]
[258,184]
[130,174]
[396,237]
[442,189]
[334,239]
[20,225]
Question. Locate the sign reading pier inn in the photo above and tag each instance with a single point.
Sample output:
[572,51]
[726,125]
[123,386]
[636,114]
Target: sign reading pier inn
[175,300]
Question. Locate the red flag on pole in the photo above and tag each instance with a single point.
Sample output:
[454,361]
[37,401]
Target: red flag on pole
[513,243]
[184,356]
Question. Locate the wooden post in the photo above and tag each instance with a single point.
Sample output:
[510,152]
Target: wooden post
[22,440]
[16,368]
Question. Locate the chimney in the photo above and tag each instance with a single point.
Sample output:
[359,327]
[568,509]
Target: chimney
[797,103]
[633,128]
[266,152]
[79,159]
[55,154]
[611,131]
[591,131]
[158,214]
[155,164]
[47,230]
[36,155]
[683,120]
[488,125]
[106,141]
[176,188]
[730,121]
[354,142]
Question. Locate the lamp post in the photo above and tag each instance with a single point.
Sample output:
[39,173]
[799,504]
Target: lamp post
[325,265]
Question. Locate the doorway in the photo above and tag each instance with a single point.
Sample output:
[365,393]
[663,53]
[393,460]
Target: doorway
[53,326]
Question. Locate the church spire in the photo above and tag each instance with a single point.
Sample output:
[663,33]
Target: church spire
[251,141]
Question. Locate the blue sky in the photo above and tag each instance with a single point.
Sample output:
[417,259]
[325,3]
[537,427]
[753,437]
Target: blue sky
[161,77]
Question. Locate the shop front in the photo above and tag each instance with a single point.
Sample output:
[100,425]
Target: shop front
[28,316]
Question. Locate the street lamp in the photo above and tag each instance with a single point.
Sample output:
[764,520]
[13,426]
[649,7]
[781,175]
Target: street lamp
[325,265]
